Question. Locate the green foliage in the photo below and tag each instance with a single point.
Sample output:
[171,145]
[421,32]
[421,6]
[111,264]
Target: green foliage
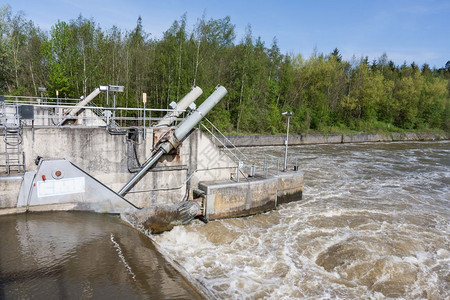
[325,92]
[61,60]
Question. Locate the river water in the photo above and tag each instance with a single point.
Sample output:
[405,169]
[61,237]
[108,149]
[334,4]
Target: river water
[63,255]
[374,222]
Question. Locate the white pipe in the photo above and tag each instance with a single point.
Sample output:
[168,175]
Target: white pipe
[184,103]
[180,133]
[83,102]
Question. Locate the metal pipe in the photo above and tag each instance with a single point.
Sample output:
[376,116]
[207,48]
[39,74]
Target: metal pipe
[288,114]
[114,106]
[85,101]
[180,133]
[182,105]
[190,122]
[148,164]
[80,106]
[287,142]
[144,131]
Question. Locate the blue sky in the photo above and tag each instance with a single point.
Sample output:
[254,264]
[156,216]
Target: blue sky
[407,30]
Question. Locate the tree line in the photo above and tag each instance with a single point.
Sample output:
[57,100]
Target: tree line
[325,92]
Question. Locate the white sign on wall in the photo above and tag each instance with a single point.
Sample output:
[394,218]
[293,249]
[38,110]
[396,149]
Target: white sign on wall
[63,186]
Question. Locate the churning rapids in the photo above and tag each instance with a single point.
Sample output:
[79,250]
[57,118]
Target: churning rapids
[374,222]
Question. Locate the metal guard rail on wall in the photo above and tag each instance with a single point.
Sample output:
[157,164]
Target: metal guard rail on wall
[57,111]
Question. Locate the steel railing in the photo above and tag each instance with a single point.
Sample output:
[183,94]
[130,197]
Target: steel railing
[50,111]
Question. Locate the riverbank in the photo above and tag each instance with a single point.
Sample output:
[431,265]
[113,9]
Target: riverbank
[310,139]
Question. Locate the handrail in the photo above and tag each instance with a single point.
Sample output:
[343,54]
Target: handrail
[56,112]
[234,147]
[97,107]
[225,147]
[237,158]
[270,163]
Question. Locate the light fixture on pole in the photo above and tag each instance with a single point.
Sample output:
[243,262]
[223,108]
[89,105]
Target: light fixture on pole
[288,114]
[114,89]
[42,90]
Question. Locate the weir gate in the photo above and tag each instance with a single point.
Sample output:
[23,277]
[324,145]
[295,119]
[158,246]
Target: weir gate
[71,154]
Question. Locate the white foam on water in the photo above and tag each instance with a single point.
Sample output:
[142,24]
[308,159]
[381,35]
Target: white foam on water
[122,257]
[368,227]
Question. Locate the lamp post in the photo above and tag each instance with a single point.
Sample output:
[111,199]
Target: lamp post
[288,115]
[42,90]
[115,89]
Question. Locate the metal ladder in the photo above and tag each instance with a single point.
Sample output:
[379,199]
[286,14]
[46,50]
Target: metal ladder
[12,138]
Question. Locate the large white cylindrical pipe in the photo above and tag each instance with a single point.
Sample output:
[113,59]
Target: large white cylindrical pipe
[85,101]
[182,105]
[180,133]
[74,111]
[190,122]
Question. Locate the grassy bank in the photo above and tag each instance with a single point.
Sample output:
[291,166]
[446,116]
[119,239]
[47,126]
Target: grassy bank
[362,128]
[330,138]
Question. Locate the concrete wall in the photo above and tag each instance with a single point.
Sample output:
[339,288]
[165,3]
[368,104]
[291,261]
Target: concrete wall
[208,161]
[230,199]
[289,187]
[307,139]
[197,161]
[9,187]
[104,156]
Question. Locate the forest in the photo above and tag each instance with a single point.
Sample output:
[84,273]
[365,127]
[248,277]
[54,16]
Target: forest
[325,92]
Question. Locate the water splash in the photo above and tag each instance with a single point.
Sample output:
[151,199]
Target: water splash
[374,223]
[122,257]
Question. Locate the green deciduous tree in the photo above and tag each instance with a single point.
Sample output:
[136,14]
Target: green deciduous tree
[61,58]
[323,91]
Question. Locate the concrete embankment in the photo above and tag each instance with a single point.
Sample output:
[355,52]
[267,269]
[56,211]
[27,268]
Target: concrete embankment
[92,163]
[309,139]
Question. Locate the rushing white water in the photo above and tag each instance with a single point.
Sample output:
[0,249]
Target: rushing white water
[374,222]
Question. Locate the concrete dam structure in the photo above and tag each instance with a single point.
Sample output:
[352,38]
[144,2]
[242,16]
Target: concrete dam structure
[67,154]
